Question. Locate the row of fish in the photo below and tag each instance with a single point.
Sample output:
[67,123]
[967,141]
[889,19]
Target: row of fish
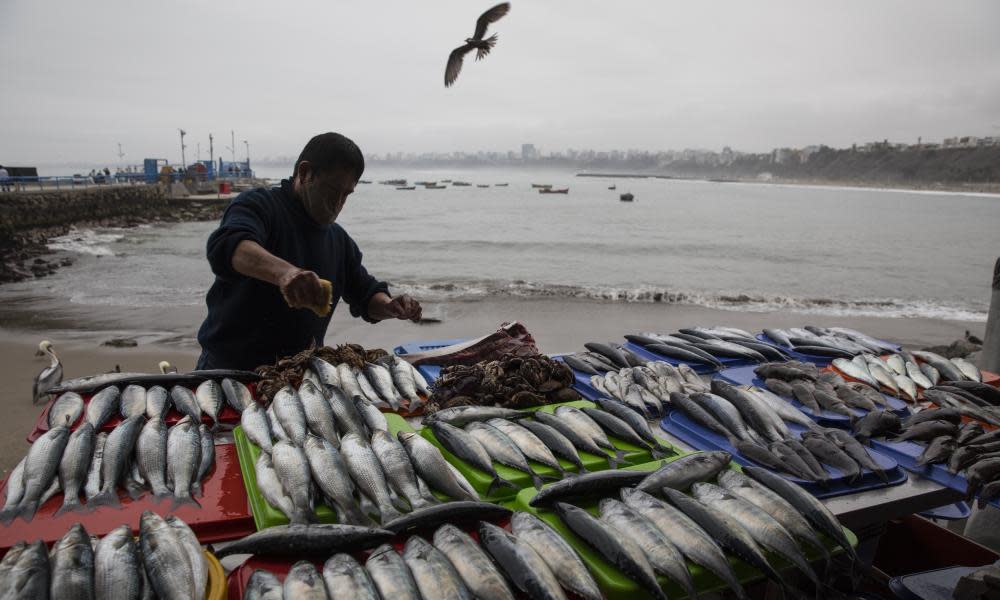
[708,346]
[819,391]
[390,382]
[838,342]
[154,402]
[531,559]
[655,527]
[646,389]
[972,399]
[139,454]
[166,562]
[964,448]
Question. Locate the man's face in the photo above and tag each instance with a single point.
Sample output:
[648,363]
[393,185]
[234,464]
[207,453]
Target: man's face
[324,195]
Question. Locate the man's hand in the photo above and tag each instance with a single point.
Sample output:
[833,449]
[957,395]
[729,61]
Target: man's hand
[404,307]
[301,288]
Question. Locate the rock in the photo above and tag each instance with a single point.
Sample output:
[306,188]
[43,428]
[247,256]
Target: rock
[957,349]
[120,343]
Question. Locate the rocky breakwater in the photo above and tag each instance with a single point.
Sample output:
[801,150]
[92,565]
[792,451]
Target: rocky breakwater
[28,220]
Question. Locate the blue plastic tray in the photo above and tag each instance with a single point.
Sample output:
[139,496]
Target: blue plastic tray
[696,436]
[907,453]
[826,418]
[430,372]
[697,367]
[951,512]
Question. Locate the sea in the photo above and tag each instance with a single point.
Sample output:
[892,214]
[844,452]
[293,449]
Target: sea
[731,246]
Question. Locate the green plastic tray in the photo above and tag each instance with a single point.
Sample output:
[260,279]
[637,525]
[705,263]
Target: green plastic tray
[481,480]
[616,586]
[265,515]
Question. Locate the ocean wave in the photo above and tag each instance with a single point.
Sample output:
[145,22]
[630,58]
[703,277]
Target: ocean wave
[876,307]
[85,241]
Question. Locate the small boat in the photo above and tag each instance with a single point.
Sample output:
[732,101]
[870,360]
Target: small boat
[482,185]
[435,187]
[396,182]
[612,187]
[445,181]
[407,187]
[461,183]
[548,190]
[424,183]
[364,181]
[500,184]
[626,197]
[541,185]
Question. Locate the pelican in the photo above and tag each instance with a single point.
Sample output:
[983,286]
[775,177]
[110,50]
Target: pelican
[476,42]
[50,376]
[166,367]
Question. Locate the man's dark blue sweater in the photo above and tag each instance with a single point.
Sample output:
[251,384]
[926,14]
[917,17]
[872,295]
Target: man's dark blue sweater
[249,323]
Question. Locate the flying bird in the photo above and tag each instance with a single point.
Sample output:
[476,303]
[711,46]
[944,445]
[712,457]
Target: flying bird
[482,46]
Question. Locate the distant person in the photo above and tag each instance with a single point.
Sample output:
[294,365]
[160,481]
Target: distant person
[107,175]
[4,179]
[271,250]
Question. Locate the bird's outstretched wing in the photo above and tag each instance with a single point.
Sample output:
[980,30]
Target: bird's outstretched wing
[455,63]
[491,16]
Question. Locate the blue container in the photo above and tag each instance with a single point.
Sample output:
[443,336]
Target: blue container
[906,454]
[826,418]
[951,512]
[430,372]
[700,438]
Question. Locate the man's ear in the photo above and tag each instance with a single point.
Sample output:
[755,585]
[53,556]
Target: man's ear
[304,172]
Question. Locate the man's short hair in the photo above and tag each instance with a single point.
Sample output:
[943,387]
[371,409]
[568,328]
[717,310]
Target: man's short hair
[330,151]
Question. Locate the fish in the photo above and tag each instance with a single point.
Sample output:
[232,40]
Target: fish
[102,405]
[367,389]
[932,374]
[65,410]
[207,458]
[939,450]
[256,426]
[118,566]
[927,430]
[561,558]
[780,407]
[757,415]
[29,576]
[93,484]
[907,388]
[390,574]
[133,401]
[856,451]
[577,437]
[346,578]
[14,488]
[402,377]
[760,454]
[855,370]
[623,431]
[303,582]
[819,473]
[528,443]
[269,485]
[345,411]
[372,416]
[876,424]
[313,539]
[348,382]
[988,493]
[831,454]
[186,402]
[579,365]
[41,465]
[183,459]
[806,395]
[609,351]
[165,560]
[293,470]
[946,368]
[621,551]
[209,396]
[918,376]
[460,416]
[727,414]
[502,449]
[398,469]
[478,572]
[318,413]
[431,517]
[381,380]
[986,393]
[983,471]
[895,364]
[158,402]
[73,466]
[432,467]
[94,383]
[263,585]
[968,369]
[291,414]
[663,556]
[681,473]
[853,398]
[366,471]
[195,554]
[968,432]
[237,395]
[763,528]
[600,483]
[832,403]
[436,577]
[72,564]
[556,442]
[466,448]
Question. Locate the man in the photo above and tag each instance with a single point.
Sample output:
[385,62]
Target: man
[271,250]
[4,179]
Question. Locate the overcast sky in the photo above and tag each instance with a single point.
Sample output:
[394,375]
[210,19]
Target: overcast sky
[79,77]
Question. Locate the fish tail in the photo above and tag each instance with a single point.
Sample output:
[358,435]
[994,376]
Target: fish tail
[536,480]
[70,502]
[882,475]
[182,500]
[105,498]
[196,489]
[27,510]
[389,512]
[580,469]
[657,451]
[497,482]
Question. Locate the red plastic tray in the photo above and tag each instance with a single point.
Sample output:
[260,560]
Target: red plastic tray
[226,415]
[224,513]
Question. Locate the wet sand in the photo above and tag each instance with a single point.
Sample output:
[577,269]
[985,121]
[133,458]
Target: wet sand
[557,325]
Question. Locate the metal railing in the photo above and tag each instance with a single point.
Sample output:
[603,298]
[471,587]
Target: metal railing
[22,183]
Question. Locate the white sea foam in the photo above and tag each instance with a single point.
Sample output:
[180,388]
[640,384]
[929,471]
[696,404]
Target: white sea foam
[85,241]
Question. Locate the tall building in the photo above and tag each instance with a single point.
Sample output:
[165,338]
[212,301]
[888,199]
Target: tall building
[528,152]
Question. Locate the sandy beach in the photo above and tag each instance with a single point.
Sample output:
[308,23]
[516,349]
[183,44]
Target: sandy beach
[557,325]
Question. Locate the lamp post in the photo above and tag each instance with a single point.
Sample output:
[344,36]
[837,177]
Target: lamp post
[247,144]
[183,162]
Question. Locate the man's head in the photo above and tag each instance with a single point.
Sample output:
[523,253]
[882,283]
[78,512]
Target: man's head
[325,174]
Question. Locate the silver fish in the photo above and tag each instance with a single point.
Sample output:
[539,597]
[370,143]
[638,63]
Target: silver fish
[918,377]
[331,474]
[288,408]
[183,459]
[270,487]
[398,469]
[402,377]
[158,402]
[73,565]
[855,369]
[117,566]
[968,369]
[165,560]
[311,376]
[151,456]
[292,467]
[365,384]
[349,381]
[882,375]
[345,578]
[28,578]
[372,416]
[40,467]
[327,373]
[195,554]
[15,486]
[932,374]
[93,485]
[237,395]
[367,473]
[65,410]
[207,458]
[907,387]
[896,364]
[303,582]
[475,567]
[318,414]
[74,465]
[185,402]
[263,585]
[348,418]
[460,416]
[561,558]
[502,449]
[528,443]
[277,432]
[209,395]
[102,405]
[133,401]
[256,426]
[390,574]
[418,379]
[432,467]
[381,380]
[436,577]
